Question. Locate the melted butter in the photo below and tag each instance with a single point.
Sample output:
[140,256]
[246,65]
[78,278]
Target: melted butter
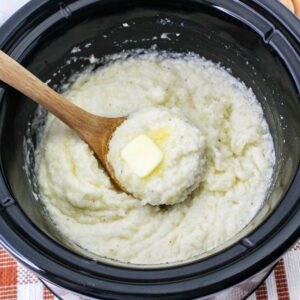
[160,135]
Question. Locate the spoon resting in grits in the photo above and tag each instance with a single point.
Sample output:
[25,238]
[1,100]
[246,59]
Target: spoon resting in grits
[96,131]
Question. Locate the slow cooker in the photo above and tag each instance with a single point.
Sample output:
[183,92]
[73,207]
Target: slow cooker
[258,41]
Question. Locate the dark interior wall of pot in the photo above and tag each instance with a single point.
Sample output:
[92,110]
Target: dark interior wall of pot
[208,32]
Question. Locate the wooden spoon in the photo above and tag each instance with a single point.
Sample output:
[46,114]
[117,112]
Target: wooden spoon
[96,131]
[289,4]
[297,7]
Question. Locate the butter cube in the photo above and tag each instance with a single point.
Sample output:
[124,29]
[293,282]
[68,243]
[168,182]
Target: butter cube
[142,155]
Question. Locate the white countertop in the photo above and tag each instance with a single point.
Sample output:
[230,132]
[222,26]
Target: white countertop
[8,7]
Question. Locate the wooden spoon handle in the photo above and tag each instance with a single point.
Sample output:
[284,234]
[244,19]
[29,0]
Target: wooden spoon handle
[18,77]
[289,4]
[297,7]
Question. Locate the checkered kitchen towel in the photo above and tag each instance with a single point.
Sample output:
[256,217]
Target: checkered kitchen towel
[17,283]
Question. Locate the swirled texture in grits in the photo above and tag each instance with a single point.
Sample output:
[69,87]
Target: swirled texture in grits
[85,206]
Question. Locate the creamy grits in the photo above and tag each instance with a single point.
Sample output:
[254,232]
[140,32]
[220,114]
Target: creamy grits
[239,157]
[183,162]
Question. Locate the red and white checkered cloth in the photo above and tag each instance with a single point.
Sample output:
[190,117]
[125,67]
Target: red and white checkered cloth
[17,283]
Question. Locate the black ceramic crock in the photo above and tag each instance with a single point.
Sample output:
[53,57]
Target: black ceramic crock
[257,40]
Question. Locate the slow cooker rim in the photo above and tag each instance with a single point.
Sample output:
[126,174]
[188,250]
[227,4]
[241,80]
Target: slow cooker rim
[25,12]
[280,13]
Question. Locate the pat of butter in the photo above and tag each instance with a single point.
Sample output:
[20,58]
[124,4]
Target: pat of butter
[142,155]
